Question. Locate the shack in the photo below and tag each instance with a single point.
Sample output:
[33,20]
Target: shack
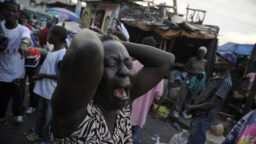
[176,36]
[172,32]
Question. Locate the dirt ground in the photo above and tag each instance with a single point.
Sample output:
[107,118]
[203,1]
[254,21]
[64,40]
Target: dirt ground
[16,134]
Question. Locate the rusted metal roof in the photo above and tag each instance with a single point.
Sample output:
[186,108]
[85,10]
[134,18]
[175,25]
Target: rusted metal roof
[170,29]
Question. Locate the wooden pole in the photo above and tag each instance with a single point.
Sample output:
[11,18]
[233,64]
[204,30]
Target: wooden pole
[175,7]
[187,13]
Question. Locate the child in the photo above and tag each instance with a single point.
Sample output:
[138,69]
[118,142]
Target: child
[46,81]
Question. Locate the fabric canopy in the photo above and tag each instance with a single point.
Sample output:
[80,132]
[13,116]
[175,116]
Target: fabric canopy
[71,26]
[240,49]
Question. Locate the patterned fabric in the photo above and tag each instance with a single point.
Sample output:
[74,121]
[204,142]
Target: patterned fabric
[94,129]
[244,132]
[217,86]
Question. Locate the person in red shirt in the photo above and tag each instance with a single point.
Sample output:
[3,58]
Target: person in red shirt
[44,34]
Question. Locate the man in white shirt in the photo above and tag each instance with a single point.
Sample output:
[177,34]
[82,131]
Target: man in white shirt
[12,61]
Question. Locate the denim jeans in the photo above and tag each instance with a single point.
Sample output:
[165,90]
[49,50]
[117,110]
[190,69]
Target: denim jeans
[33,97]
[136,134]
[198,131]
[44,116]
[181,96]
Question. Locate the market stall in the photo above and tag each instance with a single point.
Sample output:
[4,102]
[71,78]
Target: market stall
[176,36]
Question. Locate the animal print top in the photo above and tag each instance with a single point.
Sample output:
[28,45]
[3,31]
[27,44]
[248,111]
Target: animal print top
[94,130]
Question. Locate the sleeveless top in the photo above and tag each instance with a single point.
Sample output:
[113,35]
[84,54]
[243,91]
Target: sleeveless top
[94,130]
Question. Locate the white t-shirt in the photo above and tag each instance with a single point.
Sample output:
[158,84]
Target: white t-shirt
[11,63]
[45,87]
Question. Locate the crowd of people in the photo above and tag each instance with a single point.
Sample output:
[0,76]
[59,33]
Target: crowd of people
[99,88]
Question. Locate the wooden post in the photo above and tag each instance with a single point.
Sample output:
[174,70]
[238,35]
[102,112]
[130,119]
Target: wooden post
[175,8]
[187,13]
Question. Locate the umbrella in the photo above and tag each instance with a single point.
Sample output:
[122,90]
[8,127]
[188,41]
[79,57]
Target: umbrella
[71,26]
[63,13]
[38,13]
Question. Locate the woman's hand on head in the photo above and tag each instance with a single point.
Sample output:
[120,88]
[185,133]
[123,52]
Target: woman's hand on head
[157,63]
[81,71]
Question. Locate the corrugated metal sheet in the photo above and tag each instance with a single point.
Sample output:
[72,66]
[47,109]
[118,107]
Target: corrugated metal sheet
[170,29]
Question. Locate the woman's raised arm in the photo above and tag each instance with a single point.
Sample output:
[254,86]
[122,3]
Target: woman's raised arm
[157,64]
[80,74]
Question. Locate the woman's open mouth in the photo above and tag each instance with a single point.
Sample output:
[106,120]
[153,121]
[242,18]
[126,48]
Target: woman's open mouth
[121,93]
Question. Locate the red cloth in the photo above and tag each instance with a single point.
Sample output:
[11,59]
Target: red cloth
[29,27]
[32,60]
[43,36]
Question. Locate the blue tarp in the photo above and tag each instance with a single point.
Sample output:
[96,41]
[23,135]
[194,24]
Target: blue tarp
[16,1]
[240,49]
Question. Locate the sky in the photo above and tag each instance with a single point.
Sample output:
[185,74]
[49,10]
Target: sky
[235,18]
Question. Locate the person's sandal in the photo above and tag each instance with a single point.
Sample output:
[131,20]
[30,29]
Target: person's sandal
[3,122]
[33,137]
